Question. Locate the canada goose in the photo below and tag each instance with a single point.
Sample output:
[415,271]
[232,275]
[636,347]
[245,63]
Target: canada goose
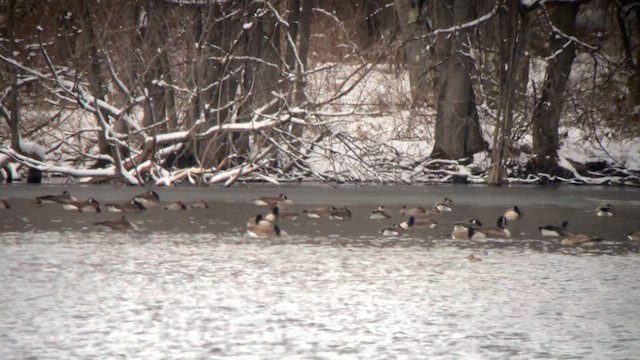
[605,211]
[418,223]
[634,236]
[178,205]
[317,213]
[63,198]
[90,205]
[4,204]
[258,221]
[579,239]
[197,205]
[120,224]
[473,258]
[274,215]
[340,213]
[266,232]
[148,199]
[418,210]
[461,228]
[462,232]
[131,206]
[552,230]
[444,205]
[288,215]
[380,213]
[281,200]
[393,230]
[513,213]
[499,231]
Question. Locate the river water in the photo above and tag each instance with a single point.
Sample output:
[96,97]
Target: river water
[190,284]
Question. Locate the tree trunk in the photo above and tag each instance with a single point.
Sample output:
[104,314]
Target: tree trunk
[414,28]
[457,132]
[548,109]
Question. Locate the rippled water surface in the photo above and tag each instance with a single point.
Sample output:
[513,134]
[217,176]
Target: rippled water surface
[192,285]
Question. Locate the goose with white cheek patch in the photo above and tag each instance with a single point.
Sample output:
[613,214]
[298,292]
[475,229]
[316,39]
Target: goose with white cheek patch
[393,230]
[553,230]
[466,232]
[63,198]
[281,200]
[412,222]
[266,232]
[91,205]
[445,205]
[513,213]
[149,199]
[132,206]
[381,213]
[340,214]
[497,232]
[605,211]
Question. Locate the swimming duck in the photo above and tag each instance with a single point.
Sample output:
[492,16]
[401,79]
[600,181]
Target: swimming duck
[317,213]
[149,199]
[380,213]
[552,230]
[119,224]
[418,223]
[498,231]
[513,213]
[63,198]
[281,200]
[473,258]
[394,230]
[91,205]
[178,205]
[4,204]
[288,215]
[340,213]
[634,236]
[444,205]
[605,211]
[266,232]
[130,206]
[197,205]
[579,239]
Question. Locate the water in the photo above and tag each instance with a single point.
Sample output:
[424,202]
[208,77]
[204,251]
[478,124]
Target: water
[191,285]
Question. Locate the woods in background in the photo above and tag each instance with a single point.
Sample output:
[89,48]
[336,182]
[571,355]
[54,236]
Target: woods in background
[214,91]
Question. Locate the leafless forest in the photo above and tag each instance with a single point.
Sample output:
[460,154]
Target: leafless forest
[218,91]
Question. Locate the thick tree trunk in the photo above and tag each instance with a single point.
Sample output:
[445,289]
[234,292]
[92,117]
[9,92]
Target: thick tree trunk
[413,25]
[457,132]
[548,109]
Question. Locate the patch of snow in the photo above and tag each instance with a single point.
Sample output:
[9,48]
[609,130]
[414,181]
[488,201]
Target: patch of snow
[31,148]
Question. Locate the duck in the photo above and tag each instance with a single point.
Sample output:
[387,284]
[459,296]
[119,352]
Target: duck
[466,232]
[416,211]
[197,205]
[393,230]
[497,232]
[381,213]
[634,236]
[445,205]
[340,213]
[4,205]
[579,239]
[513,213]
[605,211]
[266,232]
[281,200]
[258,221]
[288,215]
[149,199]
[91,205]
[63,198]
[120,224]
[553,230]
[130,206]
[473,258]
[178,205]
[418,223]
[317,213]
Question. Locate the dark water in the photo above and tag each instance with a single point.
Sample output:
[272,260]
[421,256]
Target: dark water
[190,284]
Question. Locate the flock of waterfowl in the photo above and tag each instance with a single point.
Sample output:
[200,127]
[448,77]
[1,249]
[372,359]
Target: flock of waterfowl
[269,224]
